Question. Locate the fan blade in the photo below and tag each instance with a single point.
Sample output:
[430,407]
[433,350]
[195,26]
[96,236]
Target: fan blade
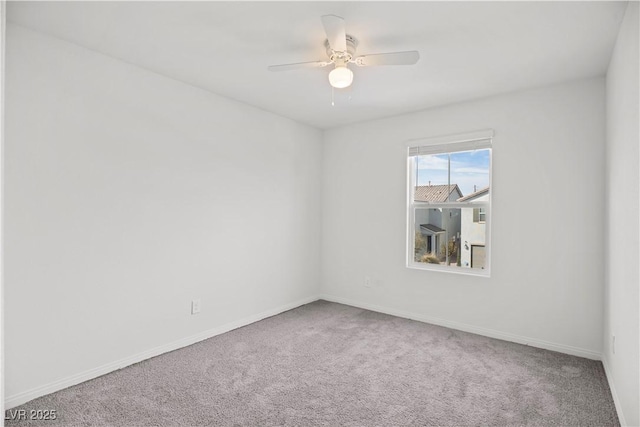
[394,58]
[298,65]
[336,33]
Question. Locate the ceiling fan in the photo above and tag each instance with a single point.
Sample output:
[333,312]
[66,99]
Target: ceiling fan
[341,50]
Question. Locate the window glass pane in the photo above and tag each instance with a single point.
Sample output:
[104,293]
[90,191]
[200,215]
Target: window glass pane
[449,237]
[450,177]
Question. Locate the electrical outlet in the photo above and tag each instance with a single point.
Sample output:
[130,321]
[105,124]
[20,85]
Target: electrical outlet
[367,282]
[613,344]
[195,306]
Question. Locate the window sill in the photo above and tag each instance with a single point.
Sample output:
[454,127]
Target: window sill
[447,269]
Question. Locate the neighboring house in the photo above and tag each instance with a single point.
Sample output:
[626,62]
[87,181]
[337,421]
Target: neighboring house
[473,231]
[437,225]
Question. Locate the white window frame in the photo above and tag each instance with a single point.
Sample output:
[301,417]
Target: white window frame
[481,213]
[440,145]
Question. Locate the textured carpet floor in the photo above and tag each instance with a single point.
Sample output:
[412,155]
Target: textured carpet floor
[327,364]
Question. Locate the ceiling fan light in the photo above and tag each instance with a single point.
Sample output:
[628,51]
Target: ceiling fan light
[341,77]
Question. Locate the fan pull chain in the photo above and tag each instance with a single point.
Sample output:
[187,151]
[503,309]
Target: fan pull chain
[332,100]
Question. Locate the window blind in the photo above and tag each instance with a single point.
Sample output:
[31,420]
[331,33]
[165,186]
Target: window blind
[461,142]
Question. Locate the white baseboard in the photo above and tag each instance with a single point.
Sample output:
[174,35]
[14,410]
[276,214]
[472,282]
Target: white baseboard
[561,348]
[614,393]
[25,396]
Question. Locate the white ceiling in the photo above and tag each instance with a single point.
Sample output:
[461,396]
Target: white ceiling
[468,49]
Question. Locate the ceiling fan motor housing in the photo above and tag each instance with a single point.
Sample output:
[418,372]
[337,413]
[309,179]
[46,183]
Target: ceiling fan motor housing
[342,57]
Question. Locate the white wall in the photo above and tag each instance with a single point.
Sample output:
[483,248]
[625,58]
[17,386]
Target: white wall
[622,296]
[3,6]
[129,194]
[546,281]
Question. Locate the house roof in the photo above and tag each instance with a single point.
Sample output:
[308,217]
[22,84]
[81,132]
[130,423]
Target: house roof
[472,196]
[435,193]
[431,228]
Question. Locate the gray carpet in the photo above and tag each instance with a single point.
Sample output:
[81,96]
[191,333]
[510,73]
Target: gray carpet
[327,364]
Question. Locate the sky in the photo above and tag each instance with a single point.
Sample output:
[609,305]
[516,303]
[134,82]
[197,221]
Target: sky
[468,168]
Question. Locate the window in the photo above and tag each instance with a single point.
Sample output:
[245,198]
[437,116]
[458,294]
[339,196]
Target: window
[479,215]
[449,203]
